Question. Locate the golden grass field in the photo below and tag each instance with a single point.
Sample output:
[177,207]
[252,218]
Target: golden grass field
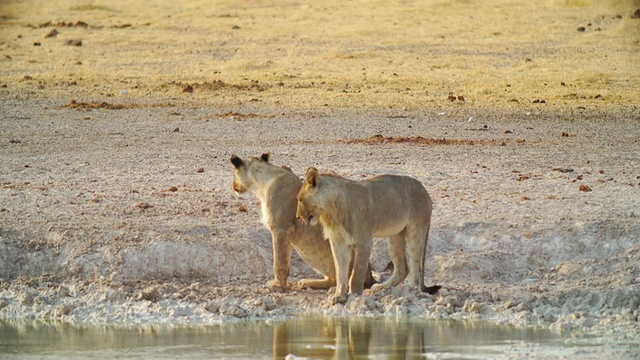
[494,54]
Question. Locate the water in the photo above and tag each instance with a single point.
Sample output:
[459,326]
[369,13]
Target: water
[318,338]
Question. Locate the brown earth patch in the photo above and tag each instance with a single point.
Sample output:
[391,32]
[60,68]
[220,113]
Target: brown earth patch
[88,106]
[381,139]
[217,85]
[63,24]
[235,116]
[93,105]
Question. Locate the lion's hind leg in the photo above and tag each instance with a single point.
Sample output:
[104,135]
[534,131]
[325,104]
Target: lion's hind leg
[370,280]
[397,252]
[417,238]
[319,284]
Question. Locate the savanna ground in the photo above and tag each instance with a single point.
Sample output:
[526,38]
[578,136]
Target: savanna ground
[118,120]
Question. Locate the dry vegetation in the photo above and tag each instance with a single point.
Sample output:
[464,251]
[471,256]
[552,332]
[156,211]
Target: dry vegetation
[560,55]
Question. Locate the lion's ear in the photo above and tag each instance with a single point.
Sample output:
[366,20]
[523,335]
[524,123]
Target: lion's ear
[312,177]
[236,161]
[266,157]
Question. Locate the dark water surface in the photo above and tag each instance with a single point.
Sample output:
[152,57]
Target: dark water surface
[317,338]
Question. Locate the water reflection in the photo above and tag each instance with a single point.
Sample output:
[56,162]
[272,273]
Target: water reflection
[343,338]
[326,338]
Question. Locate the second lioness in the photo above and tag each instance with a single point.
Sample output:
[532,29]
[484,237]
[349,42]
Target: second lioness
[352,212]
[276,188]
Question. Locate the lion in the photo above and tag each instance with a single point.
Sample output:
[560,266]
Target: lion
[276,188]
[353,212]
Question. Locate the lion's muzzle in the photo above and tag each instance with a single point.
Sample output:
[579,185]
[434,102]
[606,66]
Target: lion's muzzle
[239,189]
[305,221]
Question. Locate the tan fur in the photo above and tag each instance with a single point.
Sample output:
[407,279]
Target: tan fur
[276,188]
[353,212]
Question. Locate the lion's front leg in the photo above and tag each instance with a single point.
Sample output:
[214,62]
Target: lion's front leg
[281,241]
[341,257]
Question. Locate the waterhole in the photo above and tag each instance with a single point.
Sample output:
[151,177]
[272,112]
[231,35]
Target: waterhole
[298,338]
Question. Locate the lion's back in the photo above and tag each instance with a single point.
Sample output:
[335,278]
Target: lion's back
[397,201]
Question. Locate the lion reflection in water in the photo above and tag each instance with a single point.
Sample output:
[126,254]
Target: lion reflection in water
[347,338]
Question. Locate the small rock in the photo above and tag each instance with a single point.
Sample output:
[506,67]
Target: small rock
[41,300]
[212,306]
[73,42]
[25,298]
[403,291]
[192,296]
[508,304]
[52,33]
[268,303]
[144,205]
[61,310]
[149,293]
[231,308]
[522,307]
[473,306]
[563,170]
[361,303]
[585,188]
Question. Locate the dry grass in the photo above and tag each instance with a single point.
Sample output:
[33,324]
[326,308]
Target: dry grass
[496,54]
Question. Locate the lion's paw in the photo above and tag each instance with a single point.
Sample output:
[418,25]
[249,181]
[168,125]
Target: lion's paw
[338,299]
[316,283]
[378,287]
[276,286]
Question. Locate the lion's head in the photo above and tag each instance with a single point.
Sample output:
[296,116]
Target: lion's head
[308,210]
[242,181]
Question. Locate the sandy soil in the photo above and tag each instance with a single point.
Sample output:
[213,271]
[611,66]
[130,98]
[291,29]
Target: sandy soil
[118,121]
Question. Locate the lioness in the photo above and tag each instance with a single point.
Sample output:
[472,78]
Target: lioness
[276,188]
[352,212]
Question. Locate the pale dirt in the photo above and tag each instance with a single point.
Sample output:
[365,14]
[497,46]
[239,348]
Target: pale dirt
[126,216]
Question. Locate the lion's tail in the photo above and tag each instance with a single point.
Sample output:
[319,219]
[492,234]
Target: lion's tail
[431,289]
